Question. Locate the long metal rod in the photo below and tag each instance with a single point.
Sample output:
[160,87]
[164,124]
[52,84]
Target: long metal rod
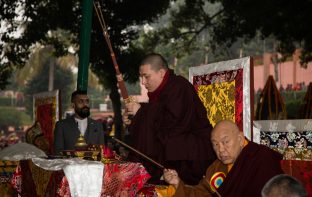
[138,152]
[121,83]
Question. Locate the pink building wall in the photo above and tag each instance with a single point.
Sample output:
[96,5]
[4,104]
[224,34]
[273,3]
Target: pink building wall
[285,74]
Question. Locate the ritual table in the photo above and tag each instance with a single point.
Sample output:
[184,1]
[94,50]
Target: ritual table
[116,179]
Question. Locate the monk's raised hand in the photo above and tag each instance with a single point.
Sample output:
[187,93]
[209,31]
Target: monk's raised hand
[132,107]
[171,177]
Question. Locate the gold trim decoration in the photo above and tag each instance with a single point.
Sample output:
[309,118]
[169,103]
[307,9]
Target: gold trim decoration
[219,100]
[40,177]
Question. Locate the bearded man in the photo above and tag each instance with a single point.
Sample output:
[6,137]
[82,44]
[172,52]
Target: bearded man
[68,130]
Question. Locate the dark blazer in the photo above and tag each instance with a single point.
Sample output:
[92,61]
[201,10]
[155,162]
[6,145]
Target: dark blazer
[66,133]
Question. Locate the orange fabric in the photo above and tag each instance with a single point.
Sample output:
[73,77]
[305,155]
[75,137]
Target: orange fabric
[165,192]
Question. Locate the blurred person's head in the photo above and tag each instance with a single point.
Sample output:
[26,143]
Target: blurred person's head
[283,185]
[227,141]
[80,103]
[152,71]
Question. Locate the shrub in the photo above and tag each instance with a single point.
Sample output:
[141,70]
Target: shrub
[10,116]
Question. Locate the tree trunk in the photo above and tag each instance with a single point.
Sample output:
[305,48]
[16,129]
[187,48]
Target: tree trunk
[51,74]
[115,98]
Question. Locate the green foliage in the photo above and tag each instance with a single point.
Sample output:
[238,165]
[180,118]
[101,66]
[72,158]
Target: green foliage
[293,102]
[41,18]
[293,95]
[5,74]
[293,108]
[190,25]
[209,26]
[48,21]
[63,81]
[223,22]
[6,101]
[10,116]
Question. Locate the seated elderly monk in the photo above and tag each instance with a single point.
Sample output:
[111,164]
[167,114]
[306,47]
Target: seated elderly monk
[242,167]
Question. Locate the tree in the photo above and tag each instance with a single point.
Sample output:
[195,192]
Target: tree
[40,20]
[10,116]
[226,21]
[63,81]
[215,24]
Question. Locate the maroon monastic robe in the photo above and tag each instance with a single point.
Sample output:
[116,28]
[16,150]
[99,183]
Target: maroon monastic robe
[255,165]
[174,130]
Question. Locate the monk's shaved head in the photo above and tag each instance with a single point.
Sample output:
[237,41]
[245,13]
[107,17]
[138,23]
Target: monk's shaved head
[226,124]
[156,61]
[227,141]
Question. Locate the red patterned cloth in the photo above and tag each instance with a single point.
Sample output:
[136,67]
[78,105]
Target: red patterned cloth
[118,179]
[16,180]
[44,114]
[128,177]
[64,188]
[301,170]
[239,99]
[26,182]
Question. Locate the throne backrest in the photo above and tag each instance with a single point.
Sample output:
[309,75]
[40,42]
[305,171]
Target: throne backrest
[226,90]
[46,106]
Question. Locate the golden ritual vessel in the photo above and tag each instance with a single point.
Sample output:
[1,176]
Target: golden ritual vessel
[81,144]
[84,151]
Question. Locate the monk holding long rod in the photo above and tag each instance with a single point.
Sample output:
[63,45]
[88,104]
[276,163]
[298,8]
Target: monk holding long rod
[120,80]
